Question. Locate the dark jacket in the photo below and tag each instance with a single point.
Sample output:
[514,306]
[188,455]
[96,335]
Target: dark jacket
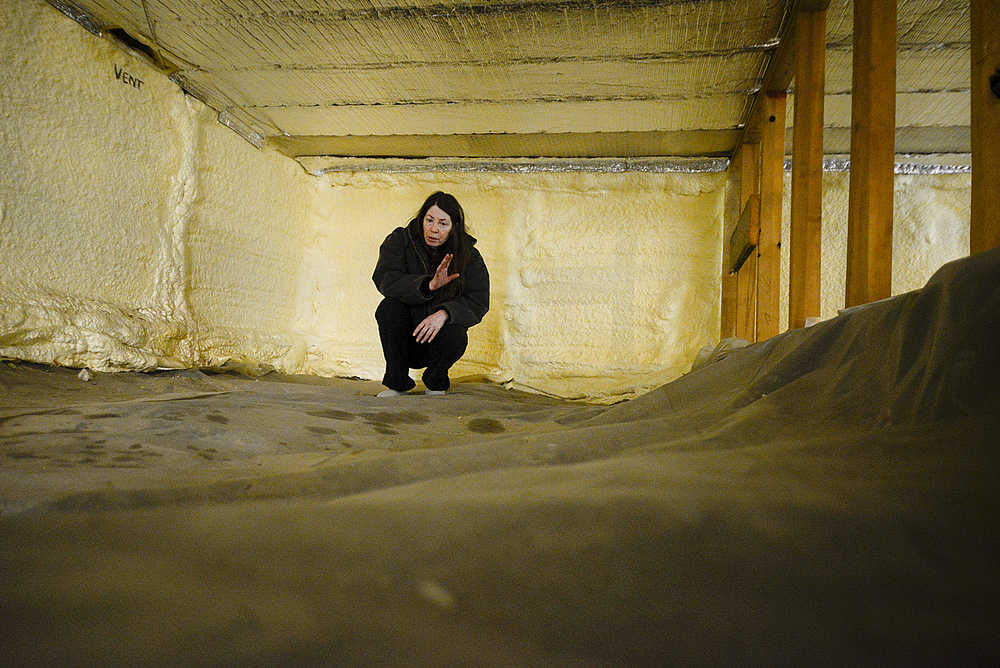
[404,271]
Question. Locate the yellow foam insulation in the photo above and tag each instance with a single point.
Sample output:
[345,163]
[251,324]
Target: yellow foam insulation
[136,232]
[140,233]
[603,285]
[930,228]
[245,249]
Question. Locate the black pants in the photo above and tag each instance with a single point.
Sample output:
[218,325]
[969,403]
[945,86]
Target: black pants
[402,352]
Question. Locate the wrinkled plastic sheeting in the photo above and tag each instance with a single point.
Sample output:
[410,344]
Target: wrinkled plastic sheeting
[711,354]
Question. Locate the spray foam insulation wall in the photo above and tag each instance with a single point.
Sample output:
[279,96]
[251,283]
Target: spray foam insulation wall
[140,233]
[930,228]
[602,284]
[136,231]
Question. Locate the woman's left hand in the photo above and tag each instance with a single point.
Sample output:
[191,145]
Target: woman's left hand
[441,277]
[430,326]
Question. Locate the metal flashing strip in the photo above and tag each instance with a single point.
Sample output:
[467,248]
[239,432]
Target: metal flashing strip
[78,15]
[317,166]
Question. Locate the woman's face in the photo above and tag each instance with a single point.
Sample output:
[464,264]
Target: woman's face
[437,226]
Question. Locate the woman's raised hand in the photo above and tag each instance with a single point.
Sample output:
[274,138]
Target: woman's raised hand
[441,277]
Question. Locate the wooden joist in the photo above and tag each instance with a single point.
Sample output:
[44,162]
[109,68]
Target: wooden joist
[873,120]
[746,307]
[780,71]
[772,172]
[807,169]
[730,281]
[746,300]
[743,240]
[730,295]
[759,278]
[984,232]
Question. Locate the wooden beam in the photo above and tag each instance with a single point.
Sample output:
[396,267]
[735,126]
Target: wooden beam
[746,300]
[807,169]
[746,307]
[730,296]
[730,281]
[985,222]
[873,122]
[780,70]
[740,244]
[772,172]
[764,125]
[812,5]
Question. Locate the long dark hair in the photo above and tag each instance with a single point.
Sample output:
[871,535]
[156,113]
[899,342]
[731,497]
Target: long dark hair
[458,243]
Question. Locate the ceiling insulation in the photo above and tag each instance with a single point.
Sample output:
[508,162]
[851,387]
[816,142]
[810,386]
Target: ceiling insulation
[932,78]
[936,139]
[524,78]
[562,145]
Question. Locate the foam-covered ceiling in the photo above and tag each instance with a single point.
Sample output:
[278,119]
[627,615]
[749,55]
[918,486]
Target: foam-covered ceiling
[520,78]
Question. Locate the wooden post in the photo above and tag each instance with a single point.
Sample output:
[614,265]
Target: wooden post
[873,123]
[746,302]
[766,125]
[730,282]
[746,308]
[772,171]
[807,169]
[985,223]
[730,289]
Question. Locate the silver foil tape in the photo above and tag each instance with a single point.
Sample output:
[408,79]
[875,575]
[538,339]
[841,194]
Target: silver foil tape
[922,168]
[241,128]
[526,166]
[78,15]
[919,165]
